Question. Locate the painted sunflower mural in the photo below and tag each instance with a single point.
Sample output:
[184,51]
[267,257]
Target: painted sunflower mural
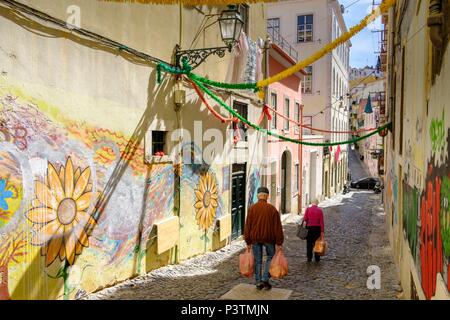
[206,201]
[60,214]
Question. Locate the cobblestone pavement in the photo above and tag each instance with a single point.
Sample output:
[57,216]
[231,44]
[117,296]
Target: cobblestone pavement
[354,230]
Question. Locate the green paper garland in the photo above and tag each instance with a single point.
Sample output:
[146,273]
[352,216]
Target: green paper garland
[186,69]
[229,109]
[223,85]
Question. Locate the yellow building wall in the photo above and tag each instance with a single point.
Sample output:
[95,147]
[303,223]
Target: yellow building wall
[418,179]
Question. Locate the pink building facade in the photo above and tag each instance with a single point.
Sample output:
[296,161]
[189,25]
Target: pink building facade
[294,169]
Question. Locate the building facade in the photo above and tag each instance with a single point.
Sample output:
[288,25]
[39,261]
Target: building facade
[295,170]
[308,25]
[107,172]
[367,71]
[370,150]
[417,148]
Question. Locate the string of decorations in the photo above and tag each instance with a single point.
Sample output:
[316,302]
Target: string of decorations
[383,8]
[268,132]
[186,70]
[211,109]
[257,87]
[315,129]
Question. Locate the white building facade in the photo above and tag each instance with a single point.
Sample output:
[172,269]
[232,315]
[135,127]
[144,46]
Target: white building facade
[308,25]
[367,71]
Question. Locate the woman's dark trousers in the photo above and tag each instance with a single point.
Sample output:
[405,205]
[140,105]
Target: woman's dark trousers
[313,235]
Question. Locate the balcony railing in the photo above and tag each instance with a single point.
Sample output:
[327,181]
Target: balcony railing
[282,43]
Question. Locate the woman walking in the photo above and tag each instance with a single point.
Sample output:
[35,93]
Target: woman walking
[314,223]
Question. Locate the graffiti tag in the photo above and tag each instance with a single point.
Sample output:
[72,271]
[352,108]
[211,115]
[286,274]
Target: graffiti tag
[437,134]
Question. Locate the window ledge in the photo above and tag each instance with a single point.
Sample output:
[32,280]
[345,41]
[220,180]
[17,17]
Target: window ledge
[158,159]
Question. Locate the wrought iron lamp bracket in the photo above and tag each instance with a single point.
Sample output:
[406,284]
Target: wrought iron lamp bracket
[196,56]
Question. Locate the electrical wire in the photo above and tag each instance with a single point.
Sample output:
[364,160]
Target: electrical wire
[22,8]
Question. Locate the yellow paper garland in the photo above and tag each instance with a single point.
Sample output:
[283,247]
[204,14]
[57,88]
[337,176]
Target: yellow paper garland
[384,6]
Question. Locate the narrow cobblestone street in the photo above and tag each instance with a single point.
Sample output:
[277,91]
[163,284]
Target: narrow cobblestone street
[354,230]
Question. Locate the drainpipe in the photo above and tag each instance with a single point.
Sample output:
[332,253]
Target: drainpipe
[267,46]
[300,166]
[435,22]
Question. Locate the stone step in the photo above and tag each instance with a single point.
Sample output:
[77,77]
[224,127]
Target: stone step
[249,292]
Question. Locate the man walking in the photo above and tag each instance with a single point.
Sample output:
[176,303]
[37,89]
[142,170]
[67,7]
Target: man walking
[263,230]
[314,223]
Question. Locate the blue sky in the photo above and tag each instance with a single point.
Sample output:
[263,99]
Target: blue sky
[366,43]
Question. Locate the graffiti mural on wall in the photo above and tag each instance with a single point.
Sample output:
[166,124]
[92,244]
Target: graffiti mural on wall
[12,249]
[411,217]
[254,184]
[51,172]
[437,133]
[395,198]
[435,228]
[226,178]
[61,212]
[206,201]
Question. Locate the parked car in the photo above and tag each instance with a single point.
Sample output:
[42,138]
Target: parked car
[365,183]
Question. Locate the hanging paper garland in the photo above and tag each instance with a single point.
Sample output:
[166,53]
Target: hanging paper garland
[383,133]
[384,6]
[314,129]
[233,112]
[237,136]
[186,70]
[211,109]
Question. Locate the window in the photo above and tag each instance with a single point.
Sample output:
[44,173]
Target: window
[297,176]
[273,26]
[273,102]
[242,109]
[297,116]
[286,113]
[305,28]
[158,141]
[334,28]
[243,11]
[307,80]
[334,83]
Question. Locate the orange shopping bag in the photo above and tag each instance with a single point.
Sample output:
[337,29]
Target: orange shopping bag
[278,265]
[320,247]
[247,263]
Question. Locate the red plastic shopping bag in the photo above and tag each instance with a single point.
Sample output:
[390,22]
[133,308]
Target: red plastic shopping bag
[247,263]
[279,265]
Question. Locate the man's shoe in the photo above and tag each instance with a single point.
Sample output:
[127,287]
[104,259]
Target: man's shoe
[260,286]
[267,285]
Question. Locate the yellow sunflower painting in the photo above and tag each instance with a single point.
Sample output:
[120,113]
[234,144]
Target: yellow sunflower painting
[206,201]
[60,214]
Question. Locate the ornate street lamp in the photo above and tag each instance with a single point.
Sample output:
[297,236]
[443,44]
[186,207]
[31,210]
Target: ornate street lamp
[230,23]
